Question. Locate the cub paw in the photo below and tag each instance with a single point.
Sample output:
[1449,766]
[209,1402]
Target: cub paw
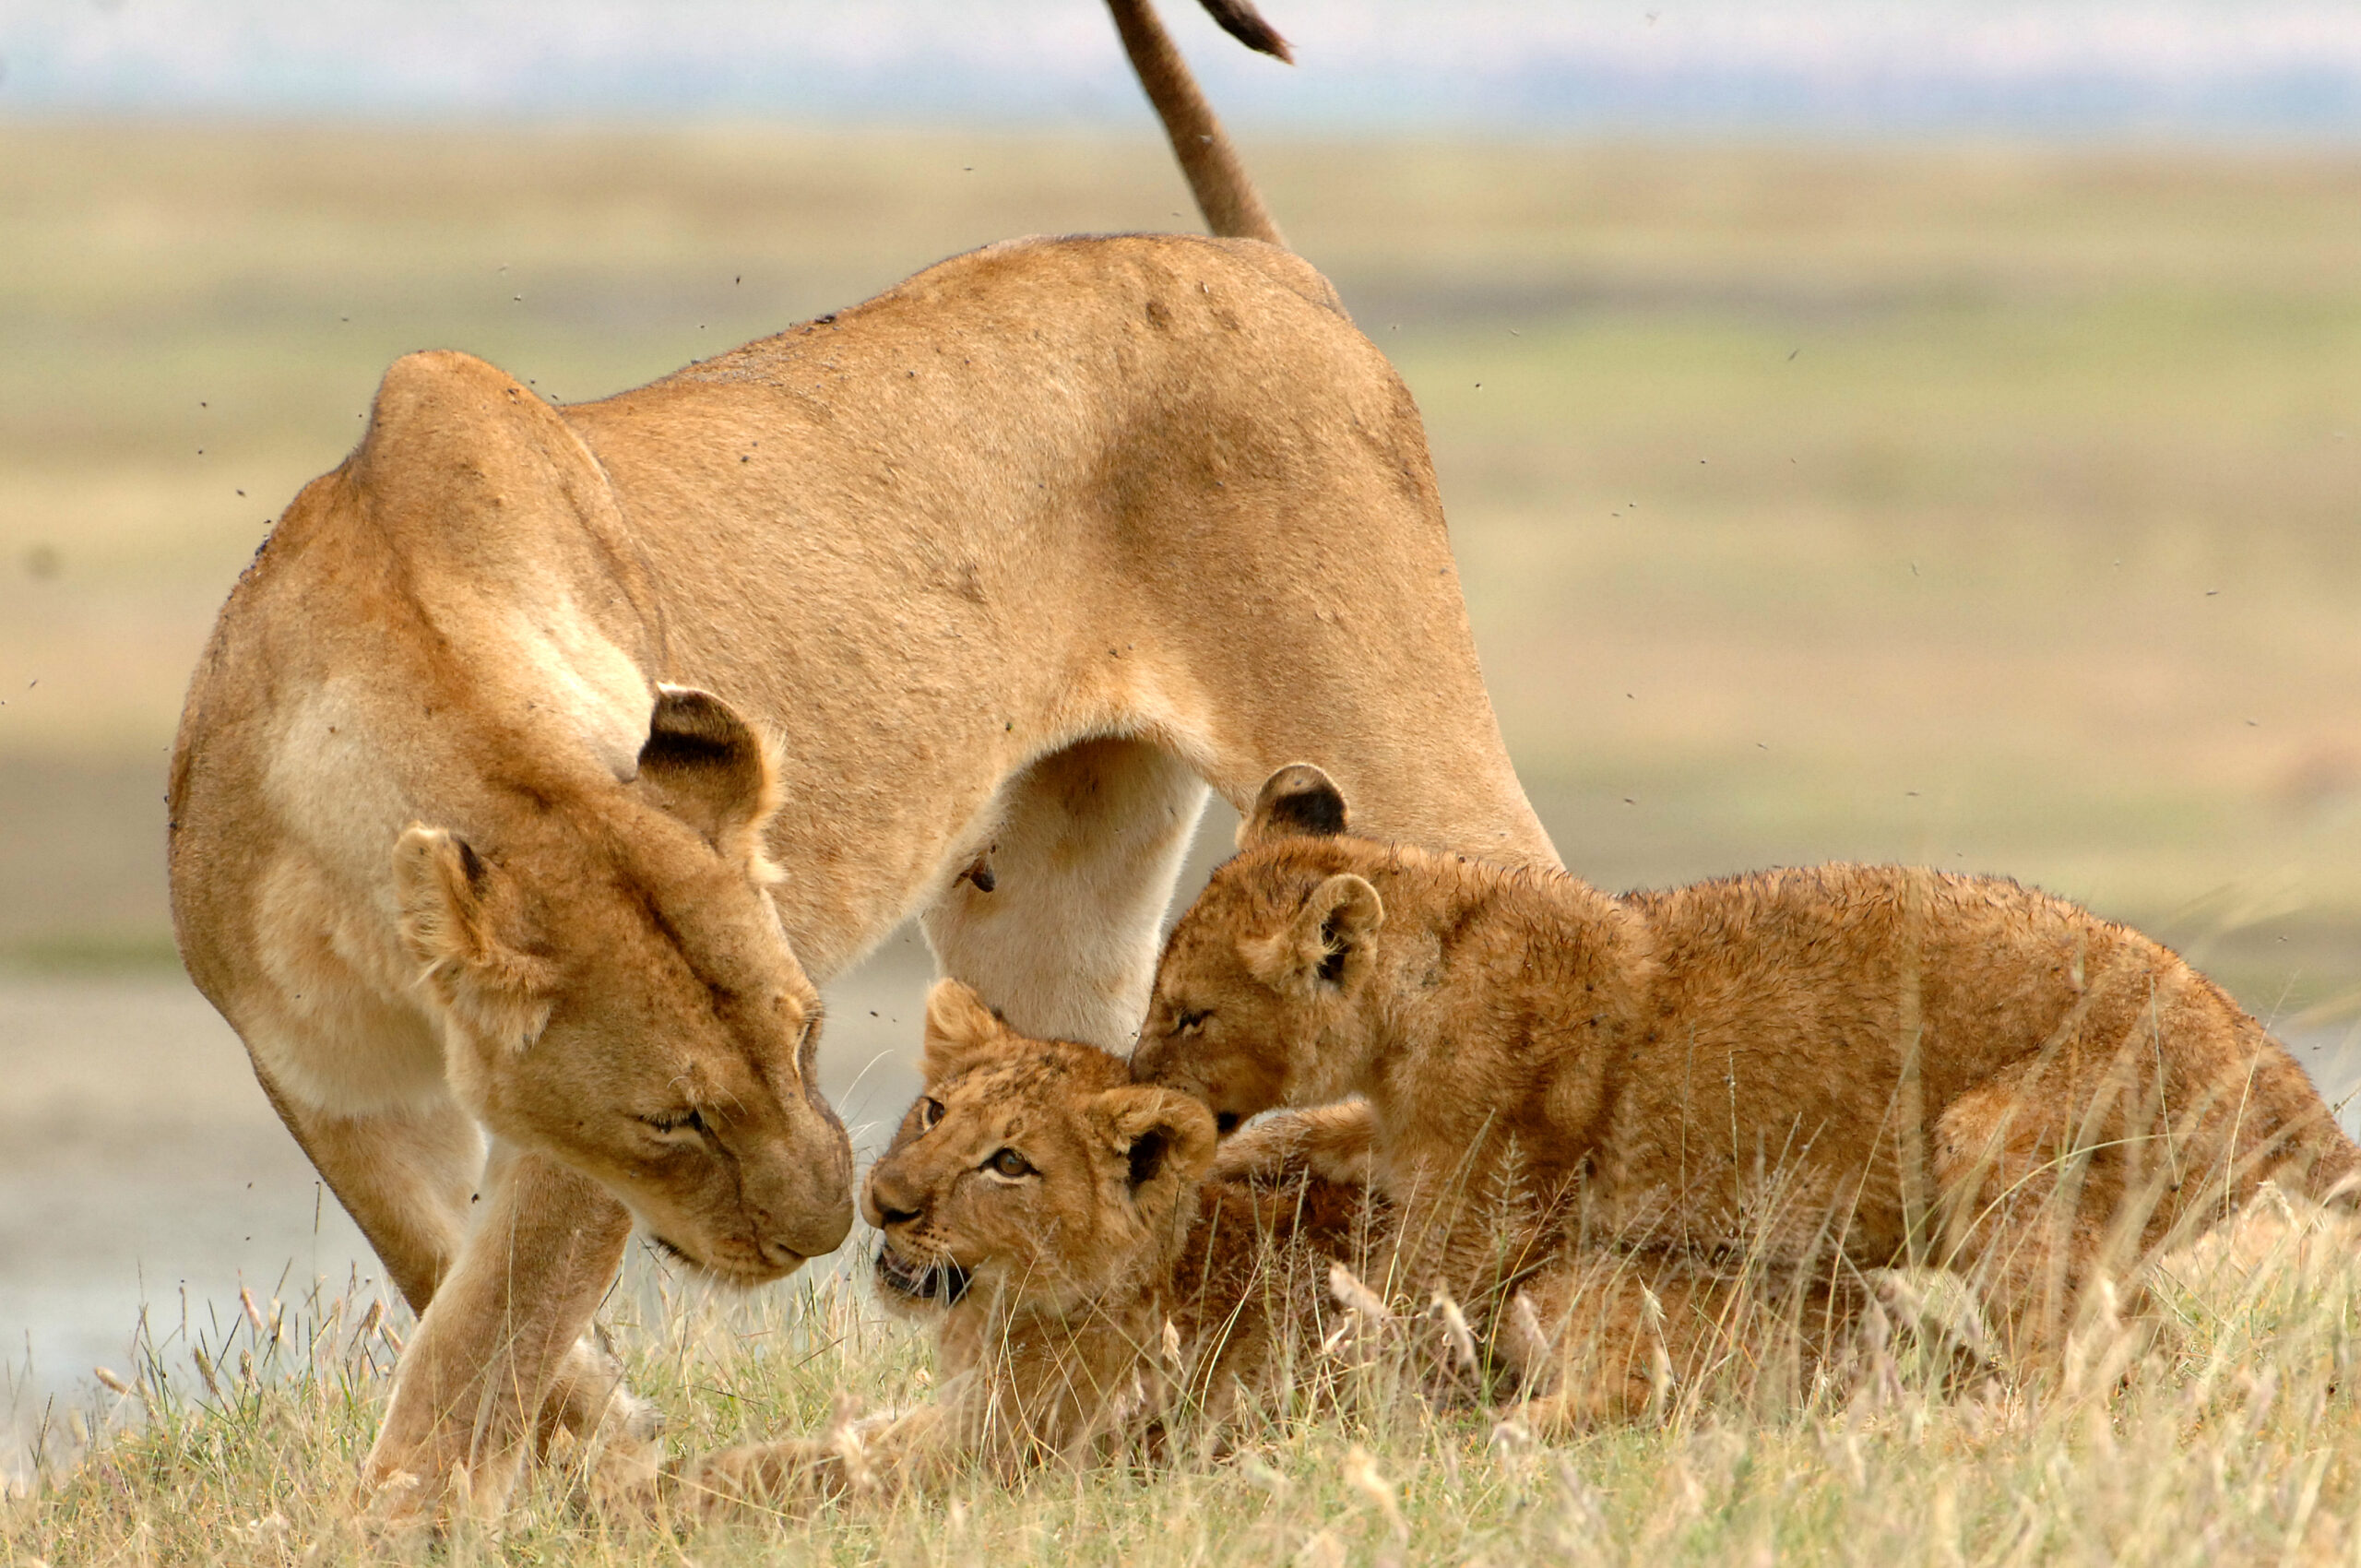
[790,1477]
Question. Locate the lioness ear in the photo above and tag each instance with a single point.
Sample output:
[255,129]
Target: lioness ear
[705,766]
[960,1031]
[451,899]
[1159,1132]
[1298,802]
[1324,942]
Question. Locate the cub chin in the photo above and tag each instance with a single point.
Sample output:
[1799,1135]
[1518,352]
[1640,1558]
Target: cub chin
[1087,1285]
[1782,1079]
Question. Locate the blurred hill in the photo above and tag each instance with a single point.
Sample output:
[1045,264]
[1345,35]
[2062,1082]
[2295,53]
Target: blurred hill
[1990,506]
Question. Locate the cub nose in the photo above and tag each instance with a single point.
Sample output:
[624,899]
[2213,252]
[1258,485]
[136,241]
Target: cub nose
[887,1199]
[1147,1058]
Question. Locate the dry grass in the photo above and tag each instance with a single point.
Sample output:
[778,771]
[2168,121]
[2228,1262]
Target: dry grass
[2221,1427]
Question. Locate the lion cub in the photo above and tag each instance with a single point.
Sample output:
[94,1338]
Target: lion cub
[1086,1284]
[1613,1104]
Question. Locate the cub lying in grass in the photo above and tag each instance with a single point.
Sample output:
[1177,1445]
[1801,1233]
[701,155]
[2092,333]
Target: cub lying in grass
[1801,1072]
[1086,1284]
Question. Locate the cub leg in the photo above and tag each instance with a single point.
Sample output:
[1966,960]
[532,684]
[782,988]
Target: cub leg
[2050,1175]
[1592,1340]
[1079,870]
[878,1456]
[1331,1143]
[1605,1336]
[502,1336]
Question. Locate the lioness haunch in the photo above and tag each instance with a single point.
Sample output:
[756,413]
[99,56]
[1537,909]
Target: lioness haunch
[1050,1219]
[1803,1073]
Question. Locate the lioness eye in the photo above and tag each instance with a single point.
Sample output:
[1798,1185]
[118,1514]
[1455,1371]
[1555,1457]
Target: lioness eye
[685,1119]
[1190,1023]
[929,1112]
[1008,1163]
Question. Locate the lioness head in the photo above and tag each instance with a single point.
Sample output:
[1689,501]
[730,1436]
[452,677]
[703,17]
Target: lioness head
[1033,1174]
[616,992]
[1259,995]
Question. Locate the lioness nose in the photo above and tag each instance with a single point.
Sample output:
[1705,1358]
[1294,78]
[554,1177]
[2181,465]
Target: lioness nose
[816,1235]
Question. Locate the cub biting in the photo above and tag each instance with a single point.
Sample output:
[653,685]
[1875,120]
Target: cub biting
[1804,1073]
[1086,1285]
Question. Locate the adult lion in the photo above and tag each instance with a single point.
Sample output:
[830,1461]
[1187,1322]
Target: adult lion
[545,758]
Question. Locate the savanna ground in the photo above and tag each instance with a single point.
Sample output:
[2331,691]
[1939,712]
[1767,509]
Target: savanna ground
[1994,508]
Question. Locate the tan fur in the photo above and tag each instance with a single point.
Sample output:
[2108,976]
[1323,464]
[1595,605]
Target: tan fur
[1799,1073]
[545,758]
[1080,1307]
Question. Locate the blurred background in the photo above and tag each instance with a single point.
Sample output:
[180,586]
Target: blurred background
[1880,429]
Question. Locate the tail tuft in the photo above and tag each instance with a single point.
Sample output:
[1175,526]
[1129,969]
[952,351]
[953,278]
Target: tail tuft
[1244,22]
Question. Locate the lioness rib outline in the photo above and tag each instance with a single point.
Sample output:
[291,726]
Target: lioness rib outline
[545,760]
[1804,1073]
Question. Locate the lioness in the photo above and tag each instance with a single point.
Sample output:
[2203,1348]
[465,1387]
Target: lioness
[1049,1219]
[544,759]
[1798,1070]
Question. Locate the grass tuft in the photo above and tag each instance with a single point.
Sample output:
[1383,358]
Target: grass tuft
[2220,1425]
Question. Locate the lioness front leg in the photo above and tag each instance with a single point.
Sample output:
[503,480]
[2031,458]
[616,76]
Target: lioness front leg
[502,1334]
[408,1176]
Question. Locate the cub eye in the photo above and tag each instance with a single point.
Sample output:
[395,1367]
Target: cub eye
[1009,1163]
[929,1112]
[1190,1023]
[686,1119]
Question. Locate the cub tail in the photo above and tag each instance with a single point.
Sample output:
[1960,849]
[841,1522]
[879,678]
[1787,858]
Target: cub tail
[1225,191]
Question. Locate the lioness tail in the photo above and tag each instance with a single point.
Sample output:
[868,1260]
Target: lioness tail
[1225,191]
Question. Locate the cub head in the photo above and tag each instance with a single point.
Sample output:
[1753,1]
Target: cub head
[1033,1174]
[616,992]
[1262,996]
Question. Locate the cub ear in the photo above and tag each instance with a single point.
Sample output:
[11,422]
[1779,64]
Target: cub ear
[451,900]
[705,765]
[1160,1134]
[1298,802]
[1325,942]
[961,1032]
